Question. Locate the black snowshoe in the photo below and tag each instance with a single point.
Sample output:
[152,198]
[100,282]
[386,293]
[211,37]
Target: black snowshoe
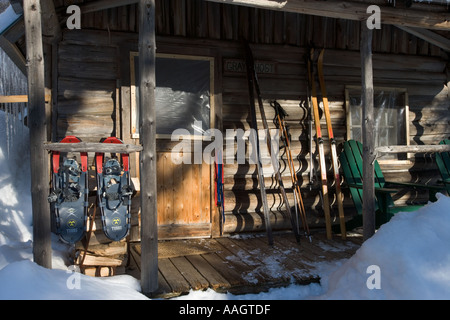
[114,193]
[69,195]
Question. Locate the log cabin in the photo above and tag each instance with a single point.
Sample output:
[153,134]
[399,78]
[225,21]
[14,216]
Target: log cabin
[92,73]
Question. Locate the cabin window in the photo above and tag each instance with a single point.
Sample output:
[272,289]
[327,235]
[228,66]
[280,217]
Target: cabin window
[391,115]
[183,94]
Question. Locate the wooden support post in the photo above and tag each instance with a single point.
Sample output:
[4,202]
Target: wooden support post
[42,249]
[147,84]
[368,133]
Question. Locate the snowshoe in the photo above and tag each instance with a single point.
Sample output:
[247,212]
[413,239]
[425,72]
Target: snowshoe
[114,193]
[69,195]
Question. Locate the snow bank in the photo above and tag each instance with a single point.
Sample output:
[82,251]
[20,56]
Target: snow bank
[15,196]
[411,253]
[27,281]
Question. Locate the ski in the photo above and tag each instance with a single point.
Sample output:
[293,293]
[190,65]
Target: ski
[280,115]
[69,194]
[114,193]
[253,80]
[319,140]
[334,157]
[219,188]
[255,140]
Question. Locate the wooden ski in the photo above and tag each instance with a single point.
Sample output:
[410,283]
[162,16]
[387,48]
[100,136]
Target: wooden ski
[319,138]
[334,157]
[253,80]
[255,140]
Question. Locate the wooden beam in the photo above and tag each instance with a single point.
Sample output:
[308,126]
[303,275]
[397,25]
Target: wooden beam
[429,36]
[99,5]
[20,99]
[42,249]
[352,11]
[14,54]
[412,17]
[413,149]
[92,147]
[147,84]
[51,29]
[368,126]
[17,6]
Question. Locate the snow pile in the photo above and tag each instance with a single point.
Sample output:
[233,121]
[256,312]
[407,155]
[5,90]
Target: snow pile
[15,197]
[409,258]
[27,281]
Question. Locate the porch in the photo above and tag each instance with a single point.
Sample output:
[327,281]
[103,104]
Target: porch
[244,264]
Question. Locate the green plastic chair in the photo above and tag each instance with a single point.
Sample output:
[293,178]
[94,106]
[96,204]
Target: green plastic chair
[443,163]
[352,167]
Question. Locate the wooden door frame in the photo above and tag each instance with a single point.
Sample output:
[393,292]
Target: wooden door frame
[215,101]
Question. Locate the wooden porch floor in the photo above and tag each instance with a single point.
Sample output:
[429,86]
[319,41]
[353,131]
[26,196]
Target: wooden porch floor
[242,265]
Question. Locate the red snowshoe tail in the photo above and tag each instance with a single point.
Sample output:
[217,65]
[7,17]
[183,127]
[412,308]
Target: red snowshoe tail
[125,156]
[56,154]
[70,194]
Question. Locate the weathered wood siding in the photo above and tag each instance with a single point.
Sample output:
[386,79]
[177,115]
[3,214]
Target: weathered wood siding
[90,65]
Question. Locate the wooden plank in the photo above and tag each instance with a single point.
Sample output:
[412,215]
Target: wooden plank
[20,99]
[429,36]
[233,255]
[173,277]
[149,210]
[225,269]
[301,253]
[167,209]
[413,149]
[259,253]
[206,212]
[179,192]
[14,54]
[51,29]
[42,250]
[92,147]
[216,280]
[274,263]
[192,276]
[163,286]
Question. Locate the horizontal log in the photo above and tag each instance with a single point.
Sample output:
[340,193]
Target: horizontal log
[413,149]
[92,147]
[20,99]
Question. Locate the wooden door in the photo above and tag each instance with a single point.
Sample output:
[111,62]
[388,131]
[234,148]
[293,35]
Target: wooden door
[184,101]
[184,198]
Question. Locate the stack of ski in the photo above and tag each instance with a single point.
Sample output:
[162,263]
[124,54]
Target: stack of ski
[280,115]
[320,144]
[253,85]
[334,157]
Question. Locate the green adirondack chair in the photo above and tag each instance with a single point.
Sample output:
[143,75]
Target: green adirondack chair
[443,163]
[352,166]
